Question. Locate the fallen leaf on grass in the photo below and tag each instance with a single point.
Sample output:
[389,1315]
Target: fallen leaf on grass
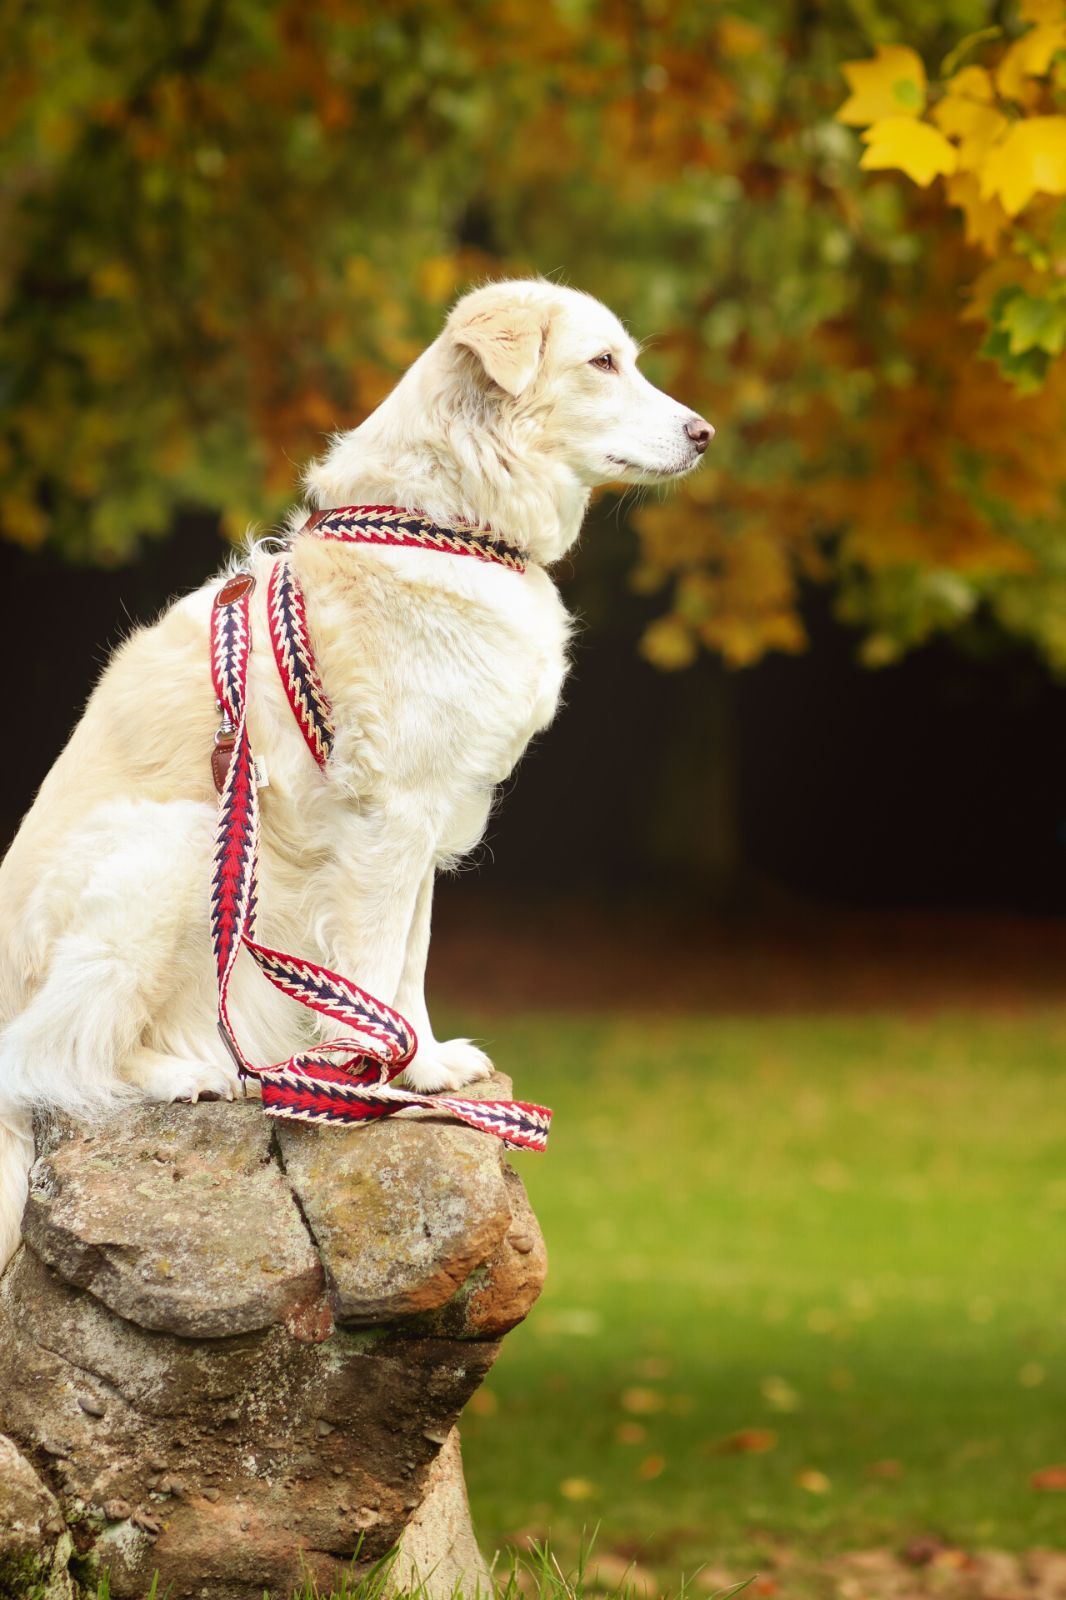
[641,1402]
[577,1489]
[652,1467]
[747,1441]
[1049,1478]
[884,1469]
[779,1395]
[631,1433]
[813,1481]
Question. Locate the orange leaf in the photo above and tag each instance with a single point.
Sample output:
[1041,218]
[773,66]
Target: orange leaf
[749,1441]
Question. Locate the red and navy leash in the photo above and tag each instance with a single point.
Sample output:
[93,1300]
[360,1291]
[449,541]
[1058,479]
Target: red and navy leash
[347,1080]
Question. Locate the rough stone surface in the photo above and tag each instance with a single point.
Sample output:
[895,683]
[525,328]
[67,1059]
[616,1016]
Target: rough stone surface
[504,1291]
[399,1231]
[35,1546]
[199,1382]
[157,1226]
[438,1547]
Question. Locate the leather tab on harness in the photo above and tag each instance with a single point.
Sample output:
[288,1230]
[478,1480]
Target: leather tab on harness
[235,588]
[220,758]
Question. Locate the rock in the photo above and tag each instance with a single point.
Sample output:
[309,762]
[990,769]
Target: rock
[438,1544]
[35,1546]
[505,1291]
[198,1237]
[237,1350]
[401,1222]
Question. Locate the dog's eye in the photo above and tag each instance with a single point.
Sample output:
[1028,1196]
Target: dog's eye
[604,362]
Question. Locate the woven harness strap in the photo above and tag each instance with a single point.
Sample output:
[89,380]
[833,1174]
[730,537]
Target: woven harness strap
[346,1080]
[287,615]
[406,529]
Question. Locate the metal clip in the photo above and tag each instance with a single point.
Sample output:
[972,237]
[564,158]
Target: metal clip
[235,1057]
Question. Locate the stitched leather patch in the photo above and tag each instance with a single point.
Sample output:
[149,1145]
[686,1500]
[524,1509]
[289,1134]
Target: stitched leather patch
[241,584]
[220,760]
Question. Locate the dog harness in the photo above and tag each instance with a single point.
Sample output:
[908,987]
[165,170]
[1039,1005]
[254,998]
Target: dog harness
[350,1079]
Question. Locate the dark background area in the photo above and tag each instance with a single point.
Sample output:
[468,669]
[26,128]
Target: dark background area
[937,783]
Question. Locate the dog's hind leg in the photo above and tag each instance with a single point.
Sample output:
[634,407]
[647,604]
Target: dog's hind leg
[16,1158]
[129,964]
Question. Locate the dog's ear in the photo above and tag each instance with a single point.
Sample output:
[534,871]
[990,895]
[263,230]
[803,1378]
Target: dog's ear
[508,340]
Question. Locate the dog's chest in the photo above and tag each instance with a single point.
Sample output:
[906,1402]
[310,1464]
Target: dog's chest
[446,683]
[484,678]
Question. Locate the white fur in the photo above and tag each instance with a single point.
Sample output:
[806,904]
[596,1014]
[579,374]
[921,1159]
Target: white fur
[440,670]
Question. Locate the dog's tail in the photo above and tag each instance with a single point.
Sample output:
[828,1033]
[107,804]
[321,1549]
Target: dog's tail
[16,1158]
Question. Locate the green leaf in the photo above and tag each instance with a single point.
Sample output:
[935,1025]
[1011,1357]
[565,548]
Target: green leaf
[1033,323]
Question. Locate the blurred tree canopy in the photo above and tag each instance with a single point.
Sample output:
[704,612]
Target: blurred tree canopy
[226,225]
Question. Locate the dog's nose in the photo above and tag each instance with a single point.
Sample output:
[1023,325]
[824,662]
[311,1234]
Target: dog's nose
[701,433]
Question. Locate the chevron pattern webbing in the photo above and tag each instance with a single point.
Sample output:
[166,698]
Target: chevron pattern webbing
[347,1080]
[296,663]
[394,526]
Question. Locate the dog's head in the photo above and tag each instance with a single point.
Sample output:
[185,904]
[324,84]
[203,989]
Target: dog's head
[528,399]
[566,369]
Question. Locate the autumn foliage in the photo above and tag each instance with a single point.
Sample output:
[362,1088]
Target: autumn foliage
[995,130]
[226,226]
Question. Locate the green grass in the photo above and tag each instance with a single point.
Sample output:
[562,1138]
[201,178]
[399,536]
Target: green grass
[535,1574]
[845,1231]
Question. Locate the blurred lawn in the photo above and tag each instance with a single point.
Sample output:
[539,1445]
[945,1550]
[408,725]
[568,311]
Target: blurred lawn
[845,1231]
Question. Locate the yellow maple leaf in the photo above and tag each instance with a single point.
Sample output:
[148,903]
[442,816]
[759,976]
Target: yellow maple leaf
[973,82]
[974,125]
[983,134]
[1029,160]
[985,219]
[1029,57]
[1042,10]
[891,85]
[913,147]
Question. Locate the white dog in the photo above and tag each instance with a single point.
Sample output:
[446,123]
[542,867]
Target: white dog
[439,671]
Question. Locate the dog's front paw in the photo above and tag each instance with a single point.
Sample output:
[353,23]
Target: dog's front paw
[448,1065]
[163,1077]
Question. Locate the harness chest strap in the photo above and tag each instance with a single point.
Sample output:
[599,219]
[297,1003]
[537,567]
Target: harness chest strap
[347,1080]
